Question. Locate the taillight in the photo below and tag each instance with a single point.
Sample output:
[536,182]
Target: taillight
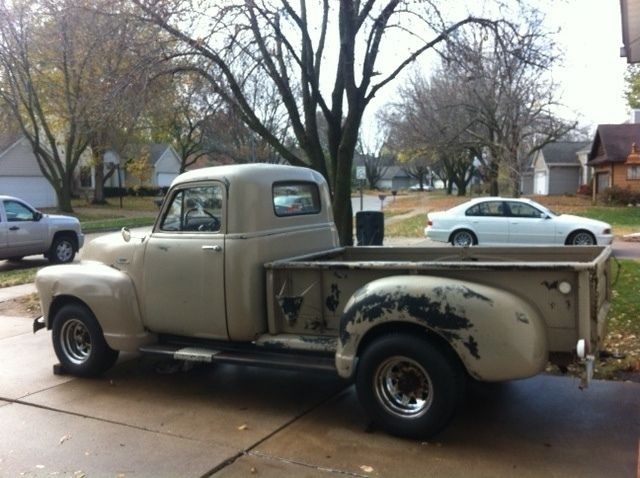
[429,222]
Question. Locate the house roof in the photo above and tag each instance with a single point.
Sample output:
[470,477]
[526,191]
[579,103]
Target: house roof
[154,150]
[616,141]
[563,152]
[7,140]
[394,172]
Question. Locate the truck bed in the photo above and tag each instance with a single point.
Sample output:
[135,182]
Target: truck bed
[306,295]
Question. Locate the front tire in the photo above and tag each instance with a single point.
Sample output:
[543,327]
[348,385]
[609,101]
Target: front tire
[409,386]
[581,238]
[79,342]
[63,250]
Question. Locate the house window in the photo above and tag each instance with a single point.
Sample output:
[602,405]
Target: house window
[633,172]
[85,177]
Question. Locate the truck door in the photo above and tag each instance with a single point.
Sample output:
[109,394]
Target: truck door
[3,232]
[25,232]
[183,284]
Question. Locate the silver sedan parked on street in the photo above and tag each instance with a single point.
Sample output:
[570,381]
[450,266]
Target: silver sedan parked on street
[507,221]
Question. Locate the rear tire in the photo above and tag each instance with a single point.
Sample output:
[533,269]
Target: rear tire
[463,238]
[79,342]
[409,386]
[63,250]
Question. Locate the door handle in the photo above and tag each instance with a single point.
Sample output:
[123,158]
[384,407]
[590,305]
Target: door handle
[14,228]
[212,248]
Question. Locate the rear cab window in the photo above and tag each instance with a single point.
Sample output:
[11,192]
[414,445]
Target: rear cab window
[295,198]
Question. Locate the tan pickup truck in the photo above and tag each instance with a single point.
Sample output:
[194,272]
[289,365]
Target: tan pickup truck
[243,266]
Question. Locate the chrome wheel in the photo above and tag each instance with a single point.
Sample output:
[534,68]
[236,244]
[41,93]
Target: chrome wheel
[462,239]
[403,387]
[64,251]
[75,341]
[583,238]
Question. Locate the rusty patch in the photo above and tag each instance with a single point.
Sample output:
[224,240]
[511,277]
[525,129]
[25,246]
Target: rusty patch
[333,299]
[472,346]
[550,285]
[290,307]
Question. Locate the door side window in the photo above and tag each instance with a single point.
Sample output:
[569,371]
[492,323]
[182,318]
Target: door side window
[487,209]
[194,209]
[17,212]
[524,210]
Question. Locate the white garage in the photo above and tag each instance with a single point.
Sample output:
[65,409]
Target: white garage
[540,183]
[165,179]
[36,191]
[20,174]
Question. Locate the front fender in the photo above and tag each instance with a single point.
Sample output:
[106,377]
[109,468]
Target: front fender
[108,292]
[496,334]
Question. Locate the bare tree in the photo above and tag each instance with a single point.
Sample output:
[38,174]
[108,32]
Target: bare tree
[288,44]
[504,84]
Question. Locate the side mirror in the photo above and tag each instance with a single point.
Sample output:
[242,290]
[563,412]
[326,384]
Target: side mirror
[37,216]
[126,234]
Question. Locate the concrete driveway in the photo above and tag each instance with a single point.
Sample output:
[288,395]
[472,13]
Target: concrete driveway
[227,421]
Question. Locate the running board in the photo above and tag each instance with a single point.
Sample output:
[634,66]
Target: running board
[255,358]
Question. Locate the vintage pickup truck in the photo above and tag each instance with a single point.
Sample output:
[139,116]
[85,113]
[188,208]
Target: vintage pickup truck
[243,266]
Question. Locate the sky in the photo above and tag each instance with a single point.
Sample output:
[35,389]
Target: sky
[592,77]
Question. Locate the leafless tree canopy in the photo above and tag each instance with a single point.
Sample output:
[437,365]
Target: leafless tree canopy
[321,56]
[491,99]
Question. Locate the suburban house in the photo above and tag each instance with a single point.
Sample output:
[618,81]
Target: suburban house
[558,168]
[395,177]
[614,157]
[161,160]
[20,174]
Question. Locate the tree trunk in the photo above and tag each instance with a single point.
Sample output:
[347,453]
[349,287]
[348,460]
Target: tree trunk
[494,189]
[63,193]
[342,211]
[98,190]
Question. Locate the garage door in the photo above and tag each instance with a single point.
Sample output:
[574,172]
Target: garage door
[36,191]
[165,179]
[540,183]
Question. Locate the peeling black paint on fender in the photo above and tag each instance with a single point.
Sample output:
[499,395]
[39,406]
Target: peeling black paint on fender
[433,312]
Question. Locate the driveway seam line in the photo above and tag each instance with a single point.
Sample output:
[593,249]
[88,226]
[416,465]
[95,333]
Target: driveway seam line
[306,465]
[248,450]
[98,419]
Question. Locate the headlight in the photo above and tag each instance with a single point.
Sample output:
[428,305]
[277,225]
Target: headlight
[607,231]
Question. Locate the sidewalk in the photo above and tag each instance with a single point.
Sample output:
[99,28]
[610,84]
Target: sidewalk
[8,293]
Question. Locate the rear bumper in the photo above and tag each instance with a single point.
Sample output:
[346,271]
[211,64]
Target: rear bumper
[436,234]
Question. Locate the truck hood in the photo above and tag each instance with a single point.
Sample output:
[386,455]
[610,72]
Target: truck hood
[112,250]
[58,219]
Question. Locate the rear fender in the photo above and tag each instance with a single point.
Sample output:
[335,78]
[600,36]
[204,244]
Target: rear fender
[496,334]
[108,292]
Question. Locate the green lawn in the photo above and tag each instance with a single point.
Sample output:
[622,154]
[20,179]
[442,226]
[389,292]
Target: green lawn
[17,276]
[616,216]
[114,224]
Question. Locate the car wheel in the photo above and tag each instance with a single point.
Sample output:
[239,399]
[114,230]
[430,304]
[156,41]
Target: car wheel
[463,238]
[62,250]
[79,342]
[409,386]
[581,238]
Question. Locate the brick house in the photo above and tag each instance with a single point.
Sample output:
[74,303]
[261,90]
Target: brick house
[614,157]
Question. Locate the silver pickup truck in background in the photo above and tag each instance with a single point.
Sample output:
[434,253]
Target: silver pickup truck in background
[25,231]
[243,266]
